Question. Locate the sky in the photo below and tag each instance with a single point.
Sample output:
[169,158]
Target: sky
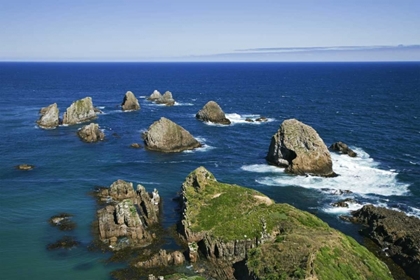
[194,30]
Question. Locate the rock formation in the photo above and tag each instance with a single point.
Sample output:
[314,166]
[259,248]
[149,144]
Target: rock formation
[126,220]
[243,234]
[79,111]
[343,148]
[154,96]
[66,242]
[211,112]
[91,133]
[158,98]
[163,259]
[63,222]
[130,102]
[396,233]
[49,118]
[166,99]
[25,166]
[166,136]
[298,147]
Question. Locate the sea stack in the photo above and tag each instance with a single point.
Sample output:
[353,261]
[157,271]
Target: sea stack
[298,147]
[211,112]
[91,133]
[166,136]
[130,102]
[79,111]
[49,118]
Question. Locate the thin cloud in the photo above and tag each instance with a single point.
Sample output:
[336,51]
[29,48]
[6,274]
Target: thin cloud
[330,48]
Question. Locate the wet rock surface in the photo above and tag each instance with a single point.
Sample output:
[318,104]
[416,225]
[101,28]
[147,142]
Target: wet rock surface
[342,148]
[63,222]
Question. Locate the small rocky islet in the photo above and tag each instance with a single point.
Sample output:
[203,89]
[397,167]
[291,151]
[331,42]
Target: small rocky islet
[231,232]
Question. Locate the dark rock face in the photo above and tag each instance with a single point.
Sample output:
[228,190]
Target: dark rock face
[49,118]
[298,147]
[67,242]
[124,222]
[166,136]
[343,203]
[91,133]
[130,102]
[397,234]
[211,112]
[79,111]
[343,149]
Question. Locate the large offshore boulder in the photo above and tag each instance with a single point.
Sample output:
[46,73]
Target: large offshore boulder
[79,111]
[211,112]
[126,219]
[166,136]
[298,147]
[240,230]
[397,234]
[130,102]
[91,133]
[49,118]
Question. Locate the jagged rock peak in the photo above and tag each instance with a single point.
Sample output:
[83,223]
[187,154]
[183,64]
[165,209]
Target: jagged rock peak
[130,102]
[211,112]
[79,111]
[166,136]
[49,118]
[91,133]
[298,147]
[155,95]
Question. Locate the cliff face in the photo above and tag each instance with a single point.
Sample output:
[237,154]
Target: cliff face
[241,231]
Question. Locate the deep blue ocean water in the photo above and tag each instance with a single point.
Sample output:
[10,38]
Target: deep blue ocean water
[373,107]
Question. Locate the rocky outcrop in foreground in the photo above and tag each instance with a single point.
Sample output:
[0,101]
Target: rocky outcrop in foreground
[298,147]
[343,149]
[49,118]
[395,232]
[166,136]
[211,112]
[130,102]
[128,215]
[163,259]
[165,99]
[79,111]
[91,133]
[245,235]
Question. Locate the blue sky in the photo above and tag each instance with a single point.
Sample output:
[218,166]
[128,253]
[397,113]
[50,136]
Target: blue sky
[193,30]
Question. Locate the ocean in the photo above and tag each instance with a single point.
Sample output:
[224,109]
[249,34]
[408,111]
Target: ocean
[372,107]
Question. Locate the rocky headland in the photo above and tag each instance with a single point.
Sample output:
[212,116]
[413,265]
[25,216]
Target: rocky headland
[397,234]
[243,234]
[212,112]
[166,136]
[130,102]
[298,148]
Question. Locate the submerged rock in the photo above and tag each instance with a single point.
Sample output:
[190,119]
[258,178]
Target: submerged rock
[63,222]
[395,232]
[211,112]
[240,231]
[91,133]
[67,242]
[126,220]
[130,102]
[49,118]
[343,148]
[136,146]
[166,136]
[79,111]
[298,147]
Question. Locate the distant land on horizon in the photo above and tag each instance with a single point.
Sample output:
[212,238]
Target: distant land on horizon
[403,53]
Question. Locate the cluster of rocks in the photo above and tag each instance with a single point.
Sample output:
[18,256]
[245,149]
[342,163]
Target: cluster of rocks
[397,234]
[128,215]
[165,99]
[63,222]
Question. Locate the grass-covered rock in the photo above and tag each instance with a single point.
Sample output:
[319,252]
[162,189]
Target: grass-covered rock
[233,226]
